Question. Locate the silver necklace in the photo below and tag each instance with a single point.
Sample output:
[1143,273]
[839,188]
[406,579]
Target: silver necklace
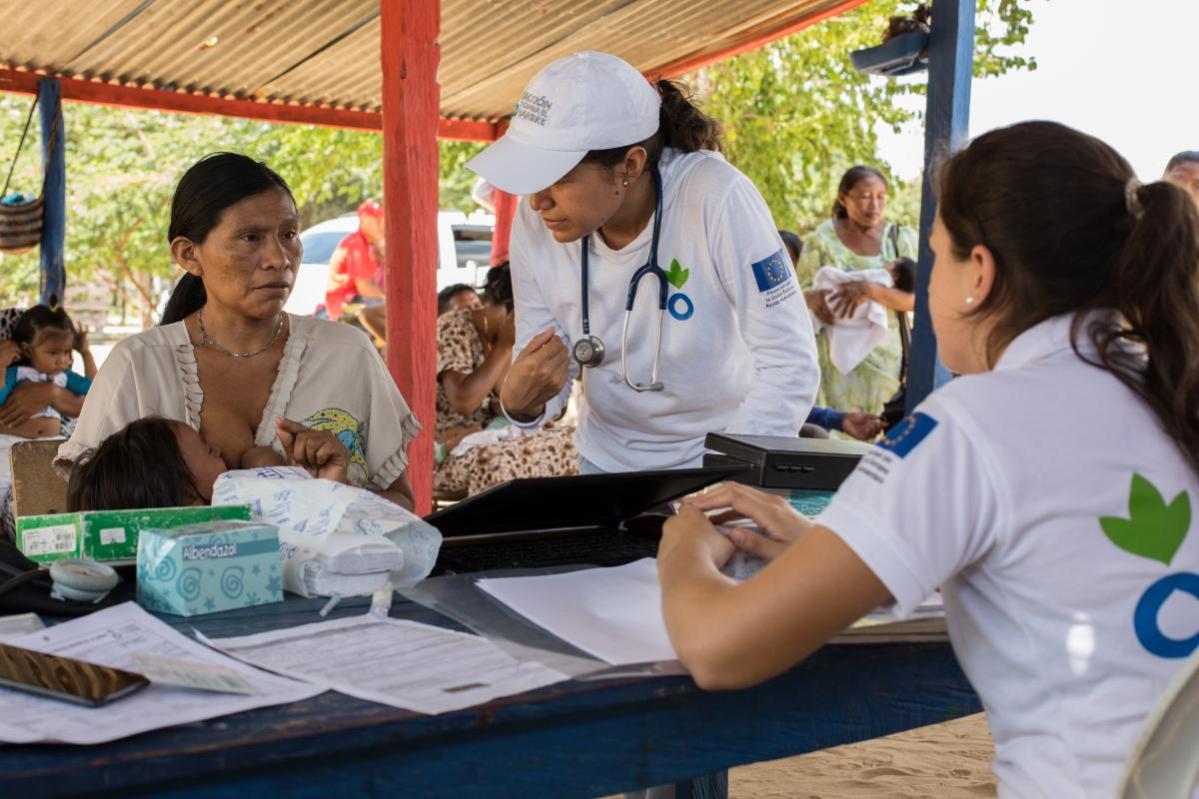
[207,341]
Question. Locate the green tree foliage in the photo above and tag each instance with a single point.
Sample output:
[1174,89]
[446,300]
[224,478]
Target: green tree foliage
[122,167]
[796,113]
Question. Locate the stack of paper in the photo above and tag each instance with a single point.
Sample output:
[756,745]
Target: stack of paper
[404,664]
[115,637]
[614,614]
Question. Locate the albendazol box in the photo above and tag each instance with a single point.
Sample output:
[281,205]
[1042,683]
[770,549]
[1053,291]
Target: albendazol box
[109,536]
[209,567]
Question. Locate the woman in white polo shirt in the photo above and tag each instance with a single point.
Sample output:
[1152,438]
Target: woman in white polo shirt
[644,261]
[1049,492]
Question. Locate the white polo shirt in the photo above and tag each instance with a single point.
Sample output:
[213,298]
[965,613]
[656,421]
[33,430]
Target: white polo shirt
[1056,516]
[738,353]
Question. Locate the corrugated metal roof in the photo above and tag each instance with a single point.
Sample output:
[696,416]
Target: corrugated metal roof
[325,52]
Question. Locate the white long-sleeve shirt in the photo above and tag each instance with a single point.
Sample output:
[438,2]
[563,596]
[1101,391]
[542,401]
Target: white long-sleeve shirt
[738,353]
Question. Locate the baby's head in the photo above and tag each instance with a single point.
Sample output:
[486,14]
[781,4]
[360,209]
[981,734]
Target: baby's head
[47,339]
[151,463]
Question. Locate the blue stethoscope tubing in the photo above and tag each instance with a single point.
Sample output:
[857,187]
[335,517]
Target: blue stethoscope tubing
[589,351]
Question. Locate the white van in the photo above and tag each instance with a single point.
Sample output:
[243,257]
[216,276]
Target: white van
[463,254]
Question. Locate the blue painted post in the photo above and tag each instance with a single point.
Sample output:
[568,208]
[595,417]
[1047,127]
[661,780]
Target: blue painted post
[54,193]
[947,118]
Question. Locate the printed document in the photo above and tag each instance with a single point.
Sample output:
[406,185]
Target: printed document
[400,663]
[113,637]
[614,614]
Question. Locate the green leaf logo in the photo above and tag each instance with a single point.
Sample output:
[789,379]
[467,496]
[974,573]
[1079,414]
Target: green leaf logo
[677,276]
[1153,529]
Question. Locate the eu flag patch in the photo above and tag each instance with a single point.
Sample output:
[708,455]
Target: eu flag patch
[904,437]
[772,272]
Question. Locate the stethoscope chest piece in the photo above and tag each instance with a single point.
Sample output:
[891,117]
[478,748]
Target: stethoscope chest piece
[589,351]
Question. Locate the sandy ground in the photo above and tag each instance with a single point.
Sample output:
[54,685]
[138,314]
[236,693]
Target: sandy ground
[946,761]
[951,760]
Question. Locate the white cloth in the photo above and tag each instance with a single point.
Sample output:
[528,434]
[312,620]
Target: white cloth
[1006,489]
[485,438]
[330,378]
[27,374]
[851,339]
[738,353]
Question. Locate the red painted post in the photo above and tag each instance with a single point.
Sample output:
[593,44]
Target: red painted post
[505,211]
[410,55]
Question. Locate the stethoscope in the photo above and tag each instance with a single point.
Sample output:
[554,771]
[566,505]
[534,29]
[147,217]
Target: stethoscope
[589,350]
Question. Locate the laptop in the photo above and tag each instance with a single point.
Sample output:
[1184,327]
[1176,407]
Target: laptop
[598,520]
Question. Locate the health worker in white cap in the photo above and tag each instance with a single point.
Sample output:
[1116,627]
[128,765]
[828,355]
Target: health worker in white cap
[647,265]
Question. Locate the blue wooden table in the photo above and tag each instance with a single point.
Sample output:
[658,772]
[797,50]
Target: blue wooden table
[574,739]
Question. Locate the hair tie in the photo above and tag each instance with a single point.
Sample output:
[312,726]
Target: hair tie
[1131,200]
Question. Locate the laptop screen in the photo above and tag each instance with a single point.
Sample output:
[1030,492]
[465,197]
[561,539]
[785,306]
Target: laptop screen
[556,503]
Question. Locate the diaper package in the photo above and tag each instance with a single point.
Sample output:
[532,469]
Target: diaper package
[334,538]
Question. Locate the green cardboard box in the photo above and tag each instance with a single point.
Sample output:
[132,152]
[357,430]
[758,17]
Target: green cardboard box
[108,535]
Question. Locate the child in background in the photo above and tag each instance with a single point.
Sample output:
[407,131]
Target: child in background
[163,463]
[48,340]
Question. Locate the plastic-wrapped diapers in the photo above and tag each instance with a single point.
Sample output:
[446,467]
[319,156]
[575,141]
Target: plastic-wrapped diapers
[334,538]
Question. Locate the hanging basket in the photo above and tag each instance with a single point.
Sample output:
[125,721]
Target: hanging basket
[20,227]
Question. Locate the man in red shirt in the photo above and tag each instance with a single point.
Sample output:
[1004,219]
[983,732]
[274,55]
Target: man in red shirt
[354,268]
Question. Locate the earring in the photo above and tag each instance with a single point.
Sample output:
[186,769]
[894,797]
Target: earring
[970,300]
[626,183]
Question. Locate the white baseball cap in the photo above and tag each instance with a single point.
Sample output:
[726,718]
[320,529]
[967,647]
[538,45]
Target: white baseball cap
[587,101]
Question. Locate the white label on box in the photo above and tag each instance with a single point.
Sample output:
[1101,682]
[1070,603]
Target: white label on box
[49,540]
[113,535]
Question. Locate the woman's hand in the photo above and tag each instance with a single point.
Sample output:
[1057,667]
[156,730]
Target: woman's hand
[861,425]
[849,296]
[10,353]
[818,304]
[27,399]
[320,452]
[779,525]
[453,436]
[536,376]
[689,532]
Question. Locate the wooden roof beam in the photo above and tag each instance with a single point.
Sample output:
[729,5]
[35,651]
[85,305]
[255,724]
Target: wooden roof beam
[123,96]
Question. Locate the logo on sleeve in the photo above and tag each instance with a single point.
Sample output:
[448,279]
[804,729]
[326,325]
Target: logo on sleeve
[904,437]
[1156,531]
[775,278]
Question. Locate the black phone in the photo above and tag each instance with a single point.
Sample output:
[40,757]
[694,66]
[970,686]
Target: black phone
[65,678]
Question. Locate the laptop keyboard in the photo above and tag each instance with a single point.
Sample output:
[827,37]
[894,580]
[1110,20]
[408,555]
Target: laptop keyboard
[600,548]
[595,548]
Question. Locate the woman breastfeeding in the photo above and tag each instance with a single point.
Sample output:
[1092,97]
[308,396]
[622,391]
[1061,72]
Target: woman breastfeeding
[231,364]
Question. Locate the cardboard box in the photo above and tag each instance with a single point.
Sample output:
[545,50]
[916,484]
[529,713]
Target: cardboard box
[109,536]
[209,567]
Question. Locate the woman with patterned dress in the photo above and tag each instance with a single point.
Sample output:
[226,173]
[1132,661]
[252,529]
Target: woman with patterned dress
[474,351]
[858,238]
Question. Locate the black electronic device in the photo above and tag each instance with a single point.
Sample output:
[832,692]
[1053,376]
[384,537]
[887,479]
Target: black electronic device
[552,521]
[785,462]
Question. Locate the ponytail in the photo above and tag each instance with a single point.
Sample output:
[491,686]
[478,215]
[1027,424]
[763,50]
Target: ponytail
[1155,351]
[187,298]
[681,126]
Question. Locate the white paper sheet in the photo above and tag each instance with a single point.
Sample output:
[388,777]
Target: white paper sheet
[400,663]
[614,614]
[111,638]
